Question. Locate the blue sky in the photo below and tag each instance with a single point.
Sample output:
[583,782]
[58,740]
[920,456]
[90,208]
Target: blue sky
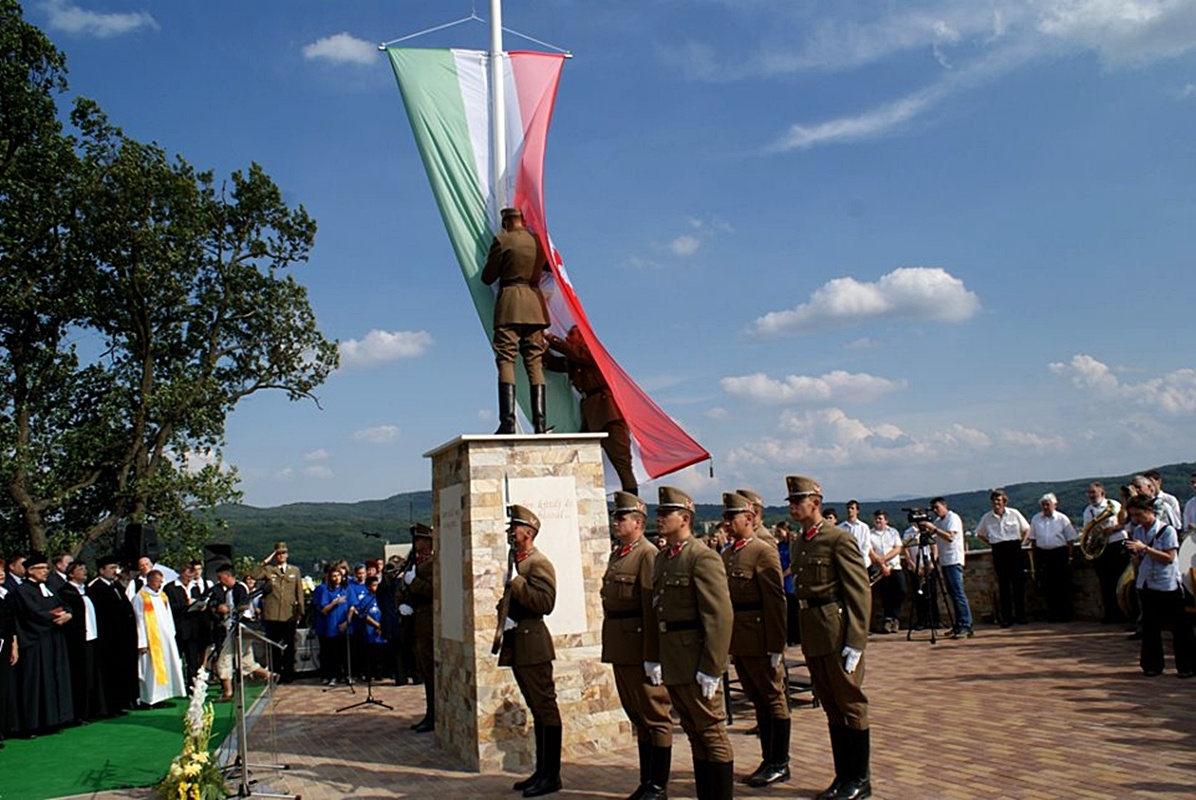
[906,247]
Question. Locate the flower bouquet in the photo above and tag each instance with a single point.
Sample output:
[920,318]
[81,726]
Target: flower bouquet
[193,774]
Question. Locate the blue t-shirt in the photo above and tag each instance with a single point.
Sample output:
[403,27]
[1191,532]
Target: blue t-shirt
[357,591]
[368,609]
[329,624]
[1152,573]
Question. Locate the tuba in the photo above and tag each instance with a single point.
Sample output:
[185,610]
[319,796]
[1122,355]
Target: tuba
[1095,535]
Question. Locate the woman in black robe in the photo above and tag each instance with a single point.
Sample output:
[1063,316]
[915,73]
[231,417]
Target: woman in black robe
[43,673]
[82,641]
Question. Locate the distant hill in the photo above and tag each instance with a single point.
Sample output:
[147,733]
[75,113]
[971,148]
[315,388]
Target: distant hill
[315,531]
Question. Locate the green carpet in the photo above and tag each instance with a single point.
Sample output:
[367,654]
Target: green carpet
[128,751]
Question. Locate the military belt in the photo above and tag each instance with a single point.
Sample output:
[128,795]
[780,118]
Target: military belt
[527,617]
[636,614]
[747,607]
[815,602]
[680,625]
[515,282]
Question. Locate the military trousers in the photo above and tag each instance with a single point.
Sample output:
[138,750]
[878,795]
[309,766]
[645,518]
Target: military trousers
[647,706]
[539,692]
[703,722]
[526,340]
[763,685]
[617,446]
[841,695]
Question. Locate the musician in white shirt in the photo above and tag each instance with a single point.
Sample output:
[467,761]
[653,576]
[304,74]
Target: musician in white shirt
[1003,529]
[1052,549]
[1112,561]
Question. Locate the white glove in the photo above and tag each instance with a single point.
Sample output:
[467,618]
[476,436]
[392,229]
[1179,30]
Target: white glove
[851,658]
[774,660]
[409,576]
[509,625]
[709,684]
[652,670]
[406,610]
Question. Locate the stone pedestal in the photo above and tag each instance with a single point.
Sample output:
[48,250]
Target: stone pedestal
[480,716]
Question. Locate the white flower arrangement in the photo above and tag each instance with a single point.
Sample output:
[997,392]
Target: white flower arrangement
[193,774]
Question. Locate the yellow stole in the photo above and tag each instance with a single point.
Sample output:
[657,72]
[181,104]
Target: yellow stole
[152,638]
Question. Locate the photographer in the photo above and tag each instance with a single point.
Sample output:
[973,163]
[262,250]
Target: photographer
[918,561]
[947,528]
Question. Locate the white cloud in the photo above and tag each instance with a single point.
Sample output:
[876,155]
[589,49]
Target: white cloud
[1189,90]
[718,412]
[318,471]
[342,48]
[194,461]
[834,387]
[317,455]
[685,245]
[285,474]
[65,16]
[1173,393]
[379,347]
[380,434]
[868,125]
[907,293]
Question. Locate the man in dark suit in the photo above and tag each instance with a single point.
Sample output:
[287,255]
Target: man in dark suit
[516,261]
[835,601]
[527,647]
[117,628]
[629,635]
[758,636]
[192,632]
[694,618]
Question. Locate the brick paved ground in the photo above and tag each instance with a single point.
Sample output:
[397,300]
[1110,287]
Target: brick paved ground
[1035,712]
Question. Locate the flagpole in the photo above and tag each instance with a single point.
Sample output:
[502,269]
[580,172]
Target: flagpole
[498,119]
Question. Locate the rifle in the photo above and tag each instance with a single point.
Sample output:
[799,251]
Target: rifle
[504,604]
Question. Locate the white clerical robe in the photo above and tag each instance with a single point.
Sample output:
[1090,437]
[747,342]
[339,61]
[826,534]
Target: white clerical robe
[158,664]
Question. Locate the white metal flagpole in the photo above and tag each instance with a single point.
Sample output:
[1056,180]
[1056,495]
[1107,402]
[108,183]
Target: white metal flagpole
[498,118]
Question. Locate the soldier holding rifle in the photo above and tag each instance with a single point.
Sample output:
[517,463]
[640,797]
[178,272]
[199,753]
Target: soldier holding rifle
[417,608]
[527,646]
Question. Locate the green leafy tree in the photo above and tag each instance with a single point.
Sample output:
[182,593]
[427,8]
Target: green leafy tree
[155,300]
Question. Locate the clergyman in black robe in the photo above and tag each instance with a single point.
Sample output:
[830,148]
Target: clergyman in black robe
[9,648]
[82,640]
[43,671]
[118,637]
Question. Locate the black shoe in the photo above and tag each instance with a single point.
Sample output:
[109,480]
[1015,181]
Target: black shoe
[771,773]
[830,791]
[1135,636]
[427,726]
[506,408]
[415,725]
[1151,673]
[550,776]
[546,784]
[856,789]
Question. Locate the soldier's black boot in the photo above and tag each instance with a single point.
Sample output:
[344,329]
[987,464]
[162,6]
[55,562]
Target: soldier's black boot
[858,781]
[765,750]
[540,409]
[528,781]
[429,721]
[701,779]
[776,758]
[506,408]
[645,751]
[838,752]
[658,774]
[550,773]
[722,780]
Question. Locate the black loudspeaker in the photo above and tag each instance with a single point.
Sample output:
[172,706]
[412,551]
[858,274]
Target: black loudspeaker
[139,540]
[215,556]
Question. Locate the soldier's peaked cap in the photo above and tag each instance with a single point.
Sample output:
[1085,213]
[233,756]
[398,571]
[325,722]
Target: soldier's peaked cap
[800,486]
[520,515]
[511,212]
[420,529]
[628,503]
[672,497]
[752,496]
[735,502]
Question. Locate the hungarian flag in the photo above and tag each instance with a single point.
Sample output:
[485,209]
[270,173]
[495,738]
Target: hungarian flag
[447,96]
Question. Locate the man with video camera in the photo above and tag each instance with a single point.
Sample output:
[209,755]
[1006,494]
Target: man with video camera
[947,528]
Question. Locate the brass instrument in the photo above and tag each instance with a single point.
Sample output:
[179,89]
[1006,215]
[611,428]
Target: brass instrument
[1095,535]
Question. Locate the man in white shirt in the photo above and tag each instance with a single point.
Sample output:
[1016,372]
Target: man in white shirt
[1052,549]
[1189,512]
[1168,513]
[1114,558]
[1003,529]
[1171,501]
[948,530]
[860,530]
[886,552]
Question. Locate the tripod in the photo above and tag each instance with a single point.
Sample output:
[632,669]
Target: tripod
[928,586]
[241,766]
[369,700]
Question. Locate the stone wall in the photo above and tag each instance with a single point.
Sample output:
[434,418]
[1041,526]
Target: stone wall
[480,715]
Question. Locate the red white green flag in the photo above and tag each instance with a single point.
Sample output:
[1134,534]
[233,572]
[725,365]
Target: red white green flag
[447,97]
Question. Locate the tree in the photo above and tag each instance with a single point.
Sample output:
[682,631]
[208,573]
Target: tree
[160,299]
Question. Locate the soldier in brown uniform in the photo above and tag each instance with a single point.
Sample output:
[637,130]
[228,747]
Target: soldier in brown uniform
[516,261]
[694,617]
[629,635]
[416,610]
[758,637]
[761,532]
[527,647]
[282,606]
[831,585]
[599,413]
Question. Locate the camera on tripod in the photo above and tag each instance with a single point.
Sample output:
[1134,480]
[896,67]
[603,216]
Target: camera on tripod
[916,516]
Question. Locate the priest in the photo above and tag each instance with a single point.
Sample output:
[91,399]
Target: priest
[117,629]
[82,643]
[159,667]
[43,692]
